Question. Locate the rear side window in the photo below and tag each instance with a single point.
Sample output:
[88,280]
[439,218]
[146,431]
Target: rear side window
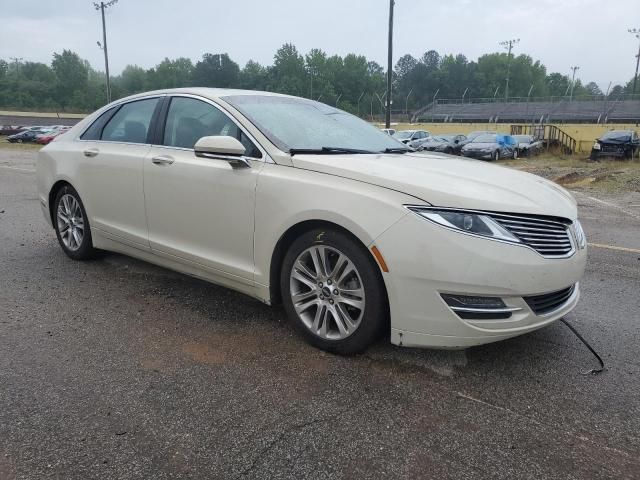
[94,131]
[131,123]
[189,119]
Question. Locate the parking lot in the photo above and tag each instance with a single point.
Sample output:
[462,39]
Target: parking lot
[118,369]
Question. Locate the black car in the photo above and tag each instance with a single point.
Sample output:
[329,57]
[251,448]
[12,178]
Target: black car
[616,143]
[26,135]
[451,144]
[11,129]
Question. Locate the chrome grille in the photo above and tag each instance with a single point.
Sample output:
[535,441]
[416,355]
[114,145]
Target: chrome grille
[549,236]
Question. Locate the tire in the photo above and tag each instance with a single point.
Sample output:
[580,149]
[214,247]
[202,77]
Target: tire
[448,150]
[19,140]
[69,212]
[496,156]
[343,323]
[515,154]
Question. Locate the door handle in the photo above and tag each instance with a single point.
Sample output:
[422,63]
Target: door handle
[91,152]
[162,160]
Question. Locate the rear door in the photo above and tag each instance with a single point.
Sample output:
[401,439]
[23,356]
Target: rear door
[111,173]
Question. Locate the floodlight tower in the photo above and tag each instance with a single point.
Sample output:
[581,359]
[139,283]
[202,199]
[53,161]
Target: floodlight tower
[508,44]
[101,6]
[573,81]
[636,33]
[387,119]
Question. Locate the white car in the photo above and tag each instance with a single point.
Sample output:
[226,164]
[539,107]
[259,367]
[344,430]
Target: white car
[413,138]
[290,200]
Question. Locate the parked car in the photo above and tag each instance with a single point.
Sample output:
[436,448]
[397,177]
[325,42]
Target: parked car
[450,144]
[528,145]
[491,146]
[294,201]
[48,137]
[11,129]
[616,143]
[389,131]
[413,138]
[28,135]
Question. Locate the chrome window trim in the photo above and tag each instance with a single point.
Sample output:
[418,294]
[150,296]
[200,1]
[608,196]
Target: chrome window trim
[488,213]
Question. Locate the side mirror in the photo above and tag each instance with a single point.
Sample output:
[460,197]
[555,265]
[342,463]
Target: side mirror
[456,142]
[222,148]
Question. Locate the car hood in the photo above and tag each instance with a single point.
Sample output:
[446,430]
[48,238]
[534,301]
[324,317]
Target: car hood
[449,181]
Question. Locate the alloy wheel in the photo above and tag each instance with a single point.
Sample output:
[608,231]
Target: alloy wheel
[70,222]
[327,292]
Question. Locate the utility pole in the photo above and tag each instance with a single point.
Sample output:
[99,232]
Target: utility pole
[508,44]
[101,6]
[17,61]
[573,81]
[387,120]
[636,32]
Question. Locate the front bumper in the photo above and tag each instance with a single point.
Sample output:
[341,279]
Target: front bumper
[426,260]
[481,155]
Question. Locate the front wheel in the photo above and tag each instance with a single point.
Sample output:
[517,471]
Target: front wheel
[72,225]
[515,154]
[496,156]
[333,292]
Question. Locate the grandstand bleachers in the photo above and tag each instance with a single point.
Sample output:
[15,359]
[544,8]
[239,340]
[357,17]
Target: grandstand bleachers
[579,111]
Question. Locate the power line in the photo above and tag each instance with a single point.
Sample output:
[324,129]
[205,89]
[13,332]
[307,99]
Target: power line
[101,6]
[508,44]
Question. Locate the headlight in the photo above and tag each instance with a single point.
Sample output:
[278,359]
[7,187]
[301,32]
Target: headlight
[578,233]
[466,222]
[596,146]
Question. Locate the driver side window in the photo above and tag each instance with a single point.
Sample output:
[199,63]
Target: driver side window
[189,119]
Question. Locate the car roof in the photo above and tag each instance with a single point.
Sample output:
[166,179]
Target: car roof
[212,93]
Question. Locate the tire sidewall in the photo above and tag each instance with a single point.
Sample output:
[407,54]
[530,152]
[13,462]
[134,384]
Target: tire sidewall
[376,313]
[86,249]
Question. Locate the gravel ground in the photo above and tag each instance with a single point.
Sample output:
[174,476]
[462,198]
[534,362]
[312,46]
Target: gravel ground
[118,369]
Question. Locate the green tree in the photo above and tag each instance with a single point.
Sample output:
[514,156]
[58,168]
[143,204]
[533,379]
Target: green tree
[71,76]
[216,71]
[288,74]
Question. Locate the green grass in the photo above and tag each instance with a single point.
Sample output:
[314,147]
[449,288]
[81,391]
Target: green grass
[579,173]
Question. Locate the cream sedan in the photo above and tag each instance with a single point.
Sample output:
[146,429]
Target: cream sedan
[295,202]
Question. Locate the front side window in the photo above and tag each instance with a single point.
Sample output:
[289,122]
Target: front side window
[188,120]
[131,123]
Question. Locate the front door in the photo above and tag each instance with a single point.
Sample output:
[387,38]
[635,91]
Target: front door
[199,209]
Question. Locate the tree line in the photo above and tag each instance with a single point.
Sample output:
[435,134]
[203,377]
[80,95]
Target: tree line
[352,82]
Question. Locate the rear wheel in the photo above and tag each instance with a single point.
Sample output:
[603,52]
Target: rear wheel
[72,225]
[333,292]
[448,150]
[496,156]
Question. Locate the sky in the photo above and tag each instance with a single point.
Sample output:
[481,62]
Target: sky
[591,34]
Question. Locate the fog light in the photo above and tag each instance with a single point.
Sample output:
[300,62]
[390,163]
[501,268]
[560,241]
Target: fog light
[473,307]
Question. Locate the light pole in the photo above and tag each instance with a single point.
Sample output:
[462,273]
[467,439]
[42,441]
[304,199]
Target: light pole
[636,32]
[573,81]
[464,93]
[338,99]
[406,102]
[508,44]
[387,119]
[495,94]
[359,98]
[101,6]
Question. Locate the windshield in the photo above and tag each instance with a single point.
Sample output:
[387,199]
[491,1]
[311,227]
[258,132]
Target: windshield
[299,124]
[485,139]
[403,134]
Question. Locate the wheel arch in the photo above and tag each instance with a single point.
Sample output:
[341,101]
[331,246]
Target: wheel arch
[289,236]
[55,188]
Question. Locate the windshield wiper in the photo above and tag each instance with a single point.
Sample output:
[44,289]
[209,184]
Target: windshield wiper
[397,150]
[327,150]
